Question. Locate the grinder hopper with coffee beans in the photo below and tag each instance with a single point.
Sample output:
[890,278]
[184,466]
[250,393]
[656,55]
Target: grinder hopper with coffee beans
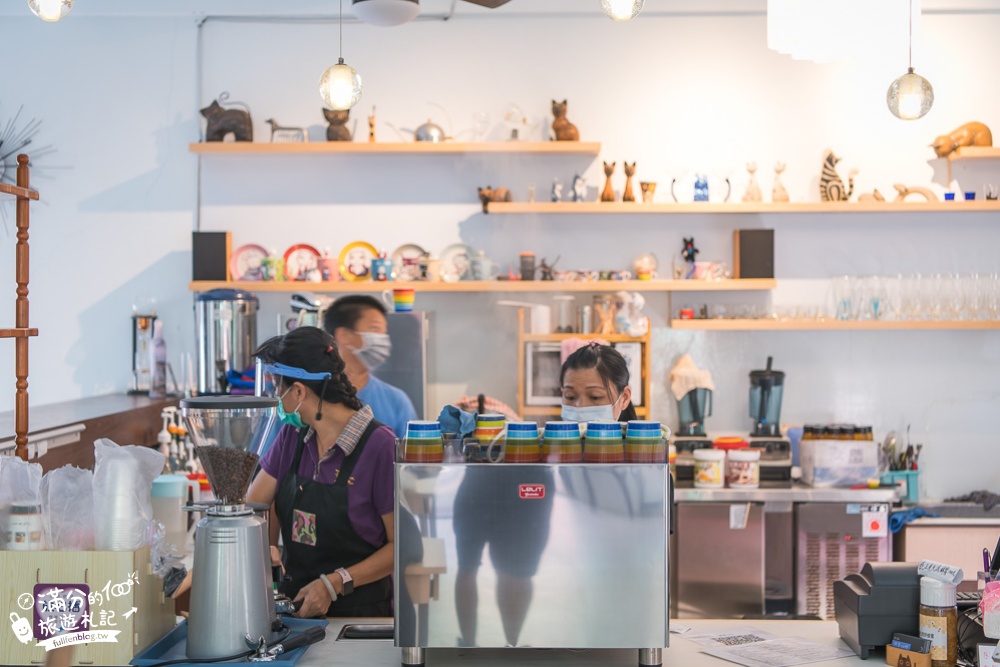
[229,434]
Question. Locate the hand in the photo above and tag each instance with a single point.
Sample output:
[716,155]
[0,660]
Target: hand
[315,600]
[276,557]
[184,585]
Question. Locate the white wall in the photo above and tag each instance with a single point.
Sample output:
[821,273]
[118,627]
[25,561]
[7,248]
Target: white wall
[677,92]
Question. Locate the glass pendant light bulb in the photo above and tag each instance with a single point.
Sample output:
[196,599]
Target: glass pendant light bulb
[910,96]
[340,86]
[622,10]
[50,10]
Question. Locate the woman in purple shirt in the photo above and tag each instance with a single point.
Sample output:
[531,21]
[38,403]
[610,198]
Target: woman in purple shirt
[329,479]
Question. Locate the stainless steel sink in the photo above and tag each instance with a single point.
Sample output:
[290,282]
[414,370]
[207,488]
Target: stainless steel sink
[367,632]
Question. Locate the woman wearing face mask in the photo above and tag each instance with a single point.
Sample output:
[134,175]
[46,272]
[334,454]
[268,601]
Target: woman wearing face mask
[329,476]
[358,324]
[594,382]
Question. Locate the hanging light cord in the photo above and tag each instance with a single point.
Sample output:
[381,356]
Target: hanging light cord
[342,30]
[911,35]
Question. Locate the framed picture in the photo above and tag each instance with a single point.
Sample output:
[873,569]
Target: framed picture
[632,352]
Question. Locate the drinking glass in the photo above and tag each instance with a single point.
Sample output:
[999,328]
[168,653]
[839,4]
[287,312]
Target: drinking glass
[912,297]
[842,298]
[992,290]
[952,298]
[932,295]
[894,307]
[480,125]
[974,289]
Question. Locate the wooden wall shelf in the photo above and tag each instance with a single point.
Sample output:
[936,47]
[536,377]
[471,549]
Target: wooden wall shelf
[975,153]
[615,208]
[833,325]
[396,148]
[497,286]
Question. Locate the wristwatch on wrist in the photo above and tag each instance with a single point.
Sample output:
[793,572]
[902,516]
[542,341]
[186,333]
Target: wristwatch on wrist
[345,576]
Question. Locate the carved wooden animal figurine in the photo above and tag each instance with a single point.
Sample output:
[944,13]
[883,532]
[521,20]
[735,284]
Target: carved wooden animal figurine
[488,194]
[564,130]
[222,121]
[608,194]
[556,190]
[874,195]
[579,188]
[753,189]
[905,191]
[629,173]
[970,134]
[337,131]
[286,135]
[371,126]
[778,192]
[831,188]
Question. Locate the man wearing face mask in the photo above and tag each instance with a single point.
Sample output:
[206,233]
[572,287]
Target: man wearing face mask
[358,323]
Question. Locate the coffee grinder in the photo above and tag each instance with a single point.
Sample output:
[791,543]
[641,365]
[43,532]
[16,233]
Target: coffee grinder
[766,387]
[232,604]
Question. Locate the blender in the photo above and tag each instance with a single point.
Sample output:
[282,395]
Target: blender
[692,409]
[766,387]
[232,604]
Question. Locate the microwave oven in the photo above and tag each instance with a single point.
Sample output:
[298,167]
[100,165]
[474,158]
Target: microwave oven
[543,363]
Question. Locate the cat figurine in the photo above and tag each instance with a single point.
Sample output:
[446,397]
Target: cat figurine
[564,130]
[222,122]
[970,134]
[753,189]
[338,125]
[488,194]
[831,187]
[904,660]
[579,188]
[286,135]
[609,193]
[778,192]
[627,194]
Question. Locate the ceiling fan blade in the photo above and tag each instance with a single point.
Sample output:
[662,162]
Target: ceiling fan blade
[491,4]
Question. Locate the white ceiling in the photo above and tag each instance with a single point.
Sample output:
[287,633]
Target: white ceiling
[431,8]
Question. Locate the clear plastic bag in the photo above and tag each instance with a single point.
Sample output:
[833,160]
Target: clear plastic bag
[20,511]
[123,512]
[68,509]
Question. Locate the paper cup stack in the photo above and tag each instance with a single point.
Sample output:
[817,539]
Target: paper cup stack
[423,442]
[522,443]
[644,442]
[561,443]
[118,525]
[604,443]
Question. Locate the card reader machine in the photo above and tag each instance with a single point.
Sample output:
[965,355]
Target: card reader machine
[883,599]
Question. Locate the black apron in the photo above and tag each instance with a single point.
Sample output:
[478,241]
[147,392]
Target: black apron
[327,539]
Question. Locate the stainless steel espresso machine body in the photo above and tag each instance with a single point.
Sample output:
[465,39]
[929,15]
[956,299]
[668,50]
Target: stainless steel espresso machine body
[540,555]
[232,604]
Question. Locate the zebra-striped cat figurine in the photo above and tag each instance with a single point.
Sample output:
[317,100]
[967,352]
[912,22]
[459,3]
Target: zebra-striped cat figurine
[831,188]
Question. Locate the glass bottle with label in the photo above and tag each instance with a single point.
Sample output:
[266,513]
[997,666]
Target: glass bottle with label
[939,621]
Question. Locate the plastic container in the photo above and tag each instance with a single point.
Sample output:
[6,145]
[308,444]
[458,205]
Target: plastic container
[708,465]
[743,468]
[827,463]
[939,620]
[24,528]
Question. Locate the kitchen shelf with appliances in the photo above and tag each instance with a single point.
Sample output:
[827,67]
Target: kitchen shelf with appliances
[534,343]
[834,325]
[396,148]
[542,286]
[614,208]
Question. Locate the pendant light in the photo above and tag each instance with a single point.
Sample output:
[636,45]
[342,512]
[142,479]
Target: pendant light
[385,12]
[911,95]
[340,85]
[622,10]
[50,10]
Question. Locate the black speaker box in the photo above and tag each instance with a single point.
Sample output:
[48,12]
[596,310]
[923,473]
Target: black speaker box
[210,255]
[753,253]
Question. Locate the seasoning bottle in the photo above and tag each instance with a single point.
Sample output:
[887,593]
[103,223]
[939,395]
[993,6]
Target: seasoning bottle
[939,621]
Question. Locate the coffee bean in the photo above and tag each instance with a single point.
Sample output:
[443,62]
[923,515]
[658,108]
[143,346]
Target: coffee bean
[229,471]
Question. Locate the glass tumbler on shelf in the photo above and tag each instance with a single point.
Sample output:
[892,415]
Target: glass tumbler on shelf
[913,306]
[932,295]
[974,294]
[952,298]
[842,287]
[992,300]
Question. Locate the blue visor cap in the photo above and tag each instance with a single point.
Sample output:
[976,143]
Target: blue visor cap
[293,372]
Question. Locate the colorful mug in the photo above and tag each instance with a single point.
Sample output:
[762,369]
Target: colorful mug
[400,299]
[382,269]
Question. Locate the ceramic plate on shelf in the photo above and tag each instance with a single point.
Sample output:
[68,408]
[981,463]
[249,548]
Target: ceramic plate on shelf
[300,263]
[356,261]
[245,263]
[406,261]
[455,263]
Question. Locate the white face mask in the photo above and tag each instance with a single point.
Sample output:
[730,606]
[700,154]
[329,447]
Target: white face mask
[590,413]
[375,351]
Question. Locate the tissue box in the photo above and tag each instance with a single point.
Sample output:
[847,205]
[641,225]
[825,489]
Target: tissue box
[838,462]
[153,617]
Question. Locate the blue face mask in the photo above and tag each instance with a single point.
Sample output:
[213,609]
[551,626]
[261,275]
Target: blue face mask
[294,419]
[590,413]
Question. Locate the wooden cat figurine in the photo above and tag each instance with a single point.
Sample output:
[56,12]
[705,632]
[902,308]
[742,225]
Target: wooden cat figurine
[831,187]
[970,134]
[338,125]
[223,121]
[564,130]
[609,193]
[488,194]
[629,173]
[778,192]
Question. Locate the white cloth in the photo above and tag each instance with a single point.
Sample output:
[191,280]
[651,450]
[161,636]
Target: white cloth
[686,377]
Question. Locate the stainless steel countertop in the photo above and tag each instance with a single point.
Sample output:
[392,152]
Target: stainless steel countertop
[795,494]
[331,653]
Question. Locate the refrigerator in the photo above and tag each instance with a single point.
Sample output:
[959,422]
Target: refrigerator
[407,366]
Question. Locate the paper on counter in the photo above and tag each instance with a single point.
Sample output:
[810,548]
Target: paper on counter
[678,629]
[734,636]
[780,652]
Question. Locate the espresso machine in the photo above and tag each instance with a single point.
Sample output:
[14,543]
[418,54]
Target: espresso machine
[232,604]
[766,387]
[692,410]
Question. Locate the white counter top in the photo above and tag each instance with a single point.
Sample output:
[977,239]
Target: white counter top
[682,653]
